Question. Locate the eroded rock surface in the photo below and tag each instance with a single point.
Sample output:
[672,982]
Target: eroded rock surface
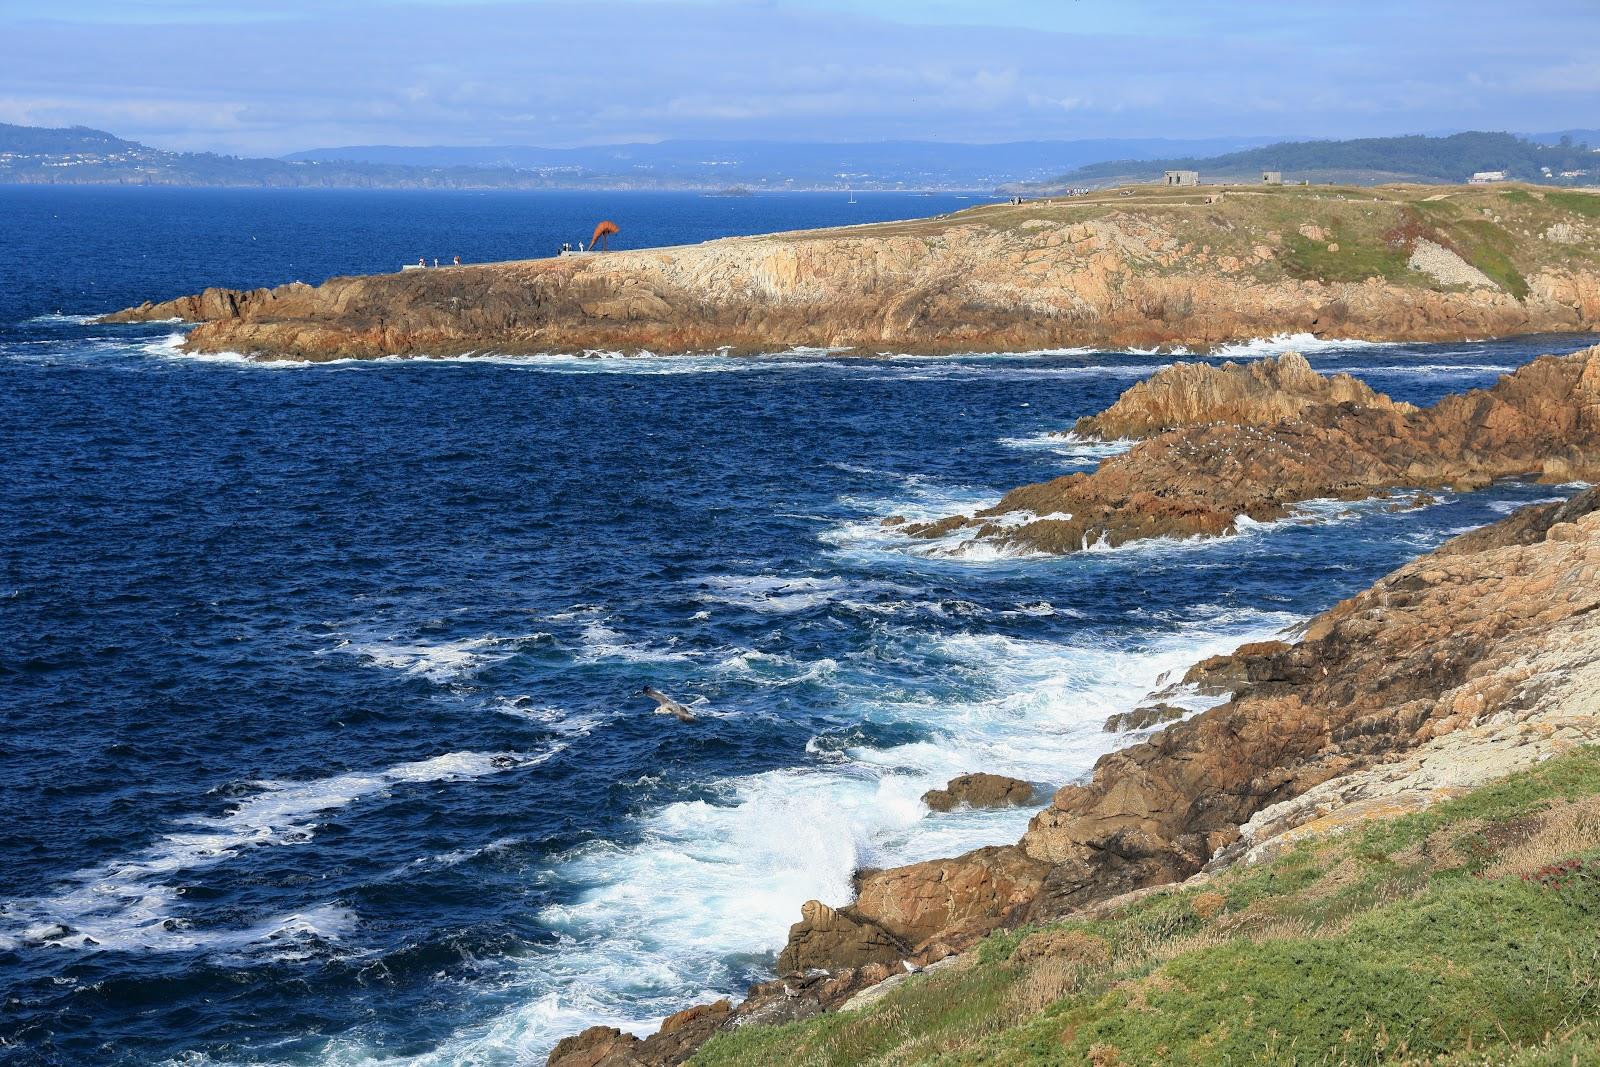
[1451,643]
[1252,394]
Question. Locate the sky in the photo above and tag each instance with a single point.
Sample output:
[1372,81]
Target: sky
[273,76]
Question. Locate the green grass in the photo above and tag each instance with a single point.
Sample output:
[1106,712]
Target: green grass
[1391,945]
[1356,260]
[1585,204]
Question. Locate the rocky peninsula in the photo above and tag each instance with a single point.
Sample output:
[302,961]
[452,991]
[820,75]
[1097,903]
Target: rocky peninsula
[1478,660]
[1137,267]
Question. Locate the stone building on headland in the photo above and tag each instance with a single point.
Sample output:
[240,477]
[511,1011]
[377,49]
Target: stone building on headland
[1272,177]
[1182,177]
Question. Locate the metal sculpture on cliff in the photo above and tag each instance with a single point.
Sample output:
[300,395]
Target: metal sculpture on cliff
[601,232]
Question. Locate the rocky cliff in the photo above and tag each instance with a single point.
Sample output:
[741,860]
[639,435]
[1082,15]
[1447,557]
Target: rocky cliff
[1200,477]
[1125,268]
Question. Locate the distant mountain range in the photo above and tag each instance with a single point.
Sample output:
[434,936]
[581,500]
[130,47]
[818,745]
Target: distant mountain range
[80,155]
[1560,158]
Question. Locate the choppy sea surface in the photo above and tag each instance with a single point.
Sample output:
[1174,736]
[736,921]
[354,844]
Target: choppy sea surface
[319,734]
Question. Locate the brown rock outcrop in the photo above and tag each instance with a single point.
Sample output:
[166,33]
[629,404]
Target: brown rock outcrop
[677,1039]
[831,938]
[1148,269]
[1541,422]
[979,790]
[1253,394]
[1433,648]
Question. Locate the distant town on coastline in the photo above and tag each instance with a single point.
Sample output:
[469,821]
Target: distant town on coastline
[81,155]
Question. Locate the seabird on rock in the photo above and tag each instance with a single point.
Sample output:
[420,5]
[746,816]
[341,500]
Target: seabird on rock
[665,705]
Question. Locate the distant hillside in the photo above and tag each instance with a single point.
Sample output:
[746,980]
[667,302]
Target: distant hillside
[79,155]
[1371,159]
[780,164]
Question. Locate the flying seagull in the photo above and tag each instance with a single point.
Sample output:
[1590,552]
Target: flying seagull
[665,705]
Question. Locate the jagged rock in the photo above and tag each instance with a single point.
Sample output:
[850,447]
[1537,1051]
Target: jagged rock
[831,938]
[1145,718]
[979,791]
[1541,422]
[1253,394]
[940,898]
[598,1046]
[679,1037]
[1437,647]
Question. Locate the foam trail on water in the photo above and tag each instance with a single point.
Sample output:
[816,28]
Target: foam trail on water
[130,905]
[1304,343]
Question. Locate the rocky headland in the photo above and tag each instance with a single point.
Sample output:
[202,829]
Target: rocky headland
[1253,441]
[1135,267]
[1477,660]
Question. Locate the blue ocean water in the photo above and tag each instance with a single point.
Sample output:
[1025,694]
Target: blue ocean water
[320,737]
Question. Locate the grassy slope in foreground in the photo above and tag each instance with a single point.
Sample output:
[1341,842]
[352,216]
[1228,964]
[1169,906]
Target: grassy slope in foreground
[1136,267]
[1463,934]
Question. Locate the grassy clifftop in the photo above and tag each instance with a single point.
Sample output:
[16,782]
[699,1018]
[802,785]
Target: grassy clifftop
[1463,934]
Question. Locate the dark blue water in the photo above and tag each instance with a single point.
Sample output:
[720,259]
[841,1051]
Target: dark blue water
[320,742]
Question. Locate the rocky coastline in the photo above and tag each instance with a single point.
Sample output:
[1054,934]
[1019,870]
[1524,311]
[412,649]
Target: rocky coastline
[1140,267]
[1227,444]
[1476,660]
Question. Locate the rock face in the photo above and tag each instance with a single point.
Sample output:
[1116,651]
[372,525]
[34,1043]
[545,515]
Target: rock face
[1542,422]
[919,913]
[1496,630]
[1151,268]
[979,791]
[1254,394]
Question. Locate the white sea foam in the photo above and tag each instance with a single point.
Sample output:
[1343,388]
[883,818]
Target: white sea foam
[1304,343]
[441,662]
[601,642]
[1434,370]
[651,925]
[132,904]
[772,595]
[58,319]
[1070,446]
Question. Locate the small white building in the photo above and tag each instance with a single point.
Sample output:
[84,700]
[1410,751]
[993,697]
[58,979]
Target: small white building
[1272,177]
[1484,177]
[1182,177]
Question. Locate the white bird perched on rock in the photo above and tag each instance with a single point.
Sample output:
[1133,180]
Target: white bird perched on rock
[665,705]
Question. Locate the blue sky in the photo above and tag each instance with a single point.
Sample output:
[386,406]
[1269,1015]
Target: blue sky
[271,76]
